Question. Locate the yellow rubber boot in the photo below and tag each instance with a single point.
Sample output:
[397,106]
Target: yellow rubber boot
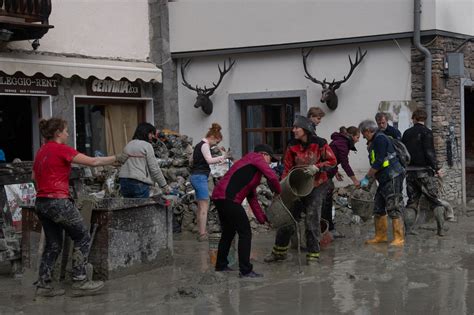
[381,225]
[398,232]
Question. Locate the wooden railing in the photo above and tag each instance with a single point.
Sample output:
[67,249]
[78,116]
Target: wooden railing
[30,10]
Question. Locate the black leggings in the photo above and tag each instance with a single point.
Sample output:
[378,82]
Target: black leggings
[234,219]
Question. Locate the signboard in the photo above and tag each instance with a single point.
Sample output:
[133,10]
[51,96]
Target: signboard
[22,84]
[107,87]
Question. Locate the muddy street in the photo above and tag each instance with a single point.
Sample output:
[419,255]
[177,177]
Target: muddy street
[430,275]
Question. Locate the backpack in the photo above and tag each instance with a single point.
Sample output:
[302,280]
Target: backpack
[401,151]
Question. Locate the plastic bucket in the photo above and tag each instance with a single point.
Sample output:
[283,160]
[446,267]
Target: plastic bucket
[297,184]
[326,237]
[278,214]
[214,239]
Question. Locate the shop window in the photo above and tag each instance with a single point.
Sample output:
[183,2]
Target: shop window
[103,127]
[268,121]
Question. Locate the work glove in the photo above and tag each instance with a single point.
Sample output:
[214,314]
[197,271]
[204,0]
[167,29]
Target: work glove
[364,182]
[311,170]
[166,189]
[121,157]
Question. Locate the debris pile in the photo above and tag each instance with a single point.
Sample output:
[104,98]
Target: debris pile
[174,154]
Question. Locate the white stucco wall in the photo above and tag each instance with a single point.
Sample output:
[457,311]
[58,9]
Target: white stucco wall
[103,28]
[383,75]
[210,24]
[455,16]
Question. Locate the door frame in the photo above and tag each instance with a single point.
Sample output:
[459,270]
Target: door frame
[149,111]
[464,83]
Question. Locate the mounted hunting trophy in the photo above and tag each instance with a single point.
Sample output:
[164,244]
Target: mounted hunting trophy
[203,94]
[328,95]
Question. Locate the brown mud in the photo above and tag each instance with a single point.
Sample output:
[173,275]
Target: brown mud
[430,274]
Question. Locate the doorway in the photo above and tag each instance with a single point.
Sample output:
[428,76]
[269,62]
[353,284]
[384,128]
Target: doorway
[16,126]
[105,126]
[469,140]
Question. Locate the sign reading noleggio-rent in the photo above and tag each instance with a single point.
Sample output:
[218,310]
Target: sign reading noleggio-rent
[22,84]
[109,87]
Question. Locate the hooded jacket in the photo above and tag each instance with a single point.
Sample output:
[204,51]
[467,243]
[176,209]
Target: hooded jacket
[341,145]
[241,181]
[316,151]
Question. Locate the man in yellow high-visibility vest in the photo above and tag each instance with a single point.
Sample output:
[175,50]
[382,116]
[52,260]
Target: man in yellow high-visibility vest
[385,167]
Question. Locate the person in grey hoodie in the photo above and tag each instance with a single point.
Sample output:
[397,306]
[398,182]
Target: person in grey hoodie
[141,170]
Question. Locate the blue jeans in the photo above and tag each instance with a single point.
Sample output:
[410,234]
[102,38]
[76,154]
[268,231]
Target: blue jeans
[200,185]
[132,188]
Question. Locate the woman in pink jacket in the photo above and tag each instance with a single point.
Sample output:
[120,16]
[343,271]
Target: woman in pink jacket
[237,184]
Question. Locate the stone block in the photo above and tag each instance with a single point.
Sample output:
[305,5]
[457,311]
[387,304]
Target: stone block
[133,235]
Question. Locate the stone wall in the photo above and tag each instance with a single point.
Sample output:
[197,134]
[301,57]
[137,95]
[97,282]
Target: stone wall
[446,103]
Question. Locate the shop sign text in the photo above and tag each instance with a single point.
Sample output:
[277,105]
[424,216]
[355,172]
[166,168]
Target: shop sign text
[22,84]
[113,88]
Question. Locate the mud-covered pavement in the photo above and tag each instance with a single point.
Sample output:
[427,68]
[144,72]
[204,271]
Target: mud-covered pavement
[430,275]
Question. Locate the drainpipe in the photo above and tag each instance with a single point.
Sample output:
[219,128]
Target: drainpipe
[428,59]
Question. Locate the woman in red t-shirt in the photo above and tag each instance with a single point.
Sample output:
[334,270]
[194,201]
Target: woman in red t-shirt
[55,209]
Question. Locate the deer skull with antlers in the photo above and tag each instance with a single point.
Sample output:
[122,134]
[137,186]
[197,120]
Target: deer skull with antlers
[328,95]
[203,94]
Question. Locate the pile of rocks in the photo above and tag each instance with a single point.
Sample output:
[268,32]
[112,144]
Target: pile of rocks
[174,152]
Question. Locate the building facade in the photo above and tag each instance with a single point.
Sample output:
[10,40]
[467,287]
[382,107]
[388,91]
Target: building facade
[92,67]
[258,97]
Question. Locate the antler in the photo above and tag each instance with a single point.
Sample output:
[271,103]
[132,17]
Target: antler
[185,83]
[359,57]
[309,76]
[222,73]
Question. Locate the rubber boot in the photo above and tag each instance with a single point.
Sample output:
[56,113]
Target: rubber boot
[278,254]
[312,258]
[86,287]
[410,220]
[381,225]
[398,232]
[439,216]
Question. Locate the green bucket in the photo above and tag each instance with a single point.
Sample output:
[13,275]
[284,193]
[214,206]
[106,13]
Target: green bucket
[278,214]
[296,185]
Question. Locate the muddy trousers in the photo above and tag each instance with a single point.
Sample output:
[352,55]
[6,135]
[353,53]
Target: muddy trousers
[388,199]
[422,183]
[57,215]
[326,210]
[233,220]
[311,204]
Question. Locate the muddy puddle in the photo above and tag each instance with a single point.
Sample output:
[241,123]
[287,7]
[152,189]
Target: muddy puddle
[429,275]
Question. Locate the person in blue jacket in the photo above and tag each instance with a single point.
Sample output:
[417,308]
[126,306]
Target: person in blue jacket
[382,122]
[386,168]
